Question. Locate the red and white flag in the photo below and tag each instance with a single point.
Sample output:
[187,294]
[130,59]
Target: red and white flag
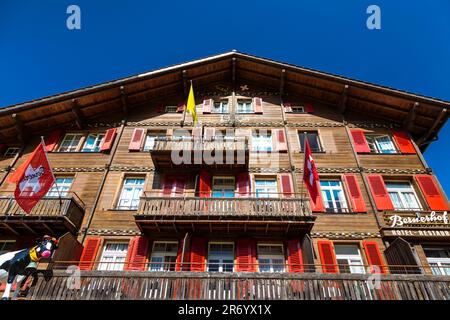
[310,175]
[33,179]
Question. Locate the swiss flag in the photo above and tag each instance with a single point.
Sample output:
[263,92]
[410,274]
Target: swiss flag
[310,175]
[33,179]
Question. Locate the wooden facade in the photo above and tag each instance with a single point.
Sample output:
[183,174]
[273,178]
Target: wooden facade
[263,108]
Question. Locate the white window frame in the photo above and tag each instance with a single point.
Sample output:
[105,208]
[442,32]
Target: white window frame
[400,192]
[244,106]
[61,187]
[375,145]
[223,188]
[262,142]
[151,138]
[272,266]
[11,151]
[95,147]
[4,243]
[319,144]
[331,189]
[220,257]
[355,267]
[137,189]
[439,266]
[171,109]
[163,254]
[72,147]
[118,258]
[298,109]
[223,106]
[265,190]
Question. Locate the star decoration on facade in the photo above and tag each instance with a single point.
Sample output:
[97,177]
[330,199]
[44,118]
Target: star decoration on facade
[244,87]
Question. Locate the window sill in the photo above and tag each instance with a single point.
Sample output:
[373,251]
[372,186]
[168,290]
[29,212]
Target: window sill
[115,209]
[319,152]
[382,154]
[80,152]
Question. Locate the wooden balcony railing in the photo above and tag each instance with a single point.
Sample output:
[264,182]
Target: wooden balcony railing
[137,285]
[283,207]
[190,143]
[51,214]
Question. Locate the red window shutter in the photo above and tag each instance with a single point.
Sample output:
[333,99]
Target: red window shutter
[129,253]
[243,184]
[327,256]
[287,107]
[257,105]
[354,192]
[379,192]
[309,108]
[373,255]
[137,254]
[209,133]
[245,255]
[279,140]
[90,253]
[198,254]
[207,105]
[136,139]
[319,206]
[3,147]
[435,199]
[287,187]
[174,185]
[205,184]
[160,109]
[179,254]
[404,142]
[108,140]
[181,106]
[295,258]
[51,141]
[359,141]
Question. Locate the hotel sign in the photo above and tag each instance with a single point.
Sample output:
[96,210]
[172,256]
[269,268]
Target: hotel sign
[416,224]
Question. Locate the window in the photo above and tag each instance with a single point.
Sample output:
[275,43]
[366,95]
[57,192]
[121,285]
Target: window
[262,141]
[93,142]
[113,256]
[266,188]
[171,109]
[11,152]
[403,196]
[223,187]
[298,109]
[271,258]
[380,143]
[333,196]
[244,106]
[151,138]
[182,135]
[7,246]
[439,260]
[164,256]
[349,259]
[60,187]
[313,140]
[220,257]
[220,107]
[131,192]
[70,143]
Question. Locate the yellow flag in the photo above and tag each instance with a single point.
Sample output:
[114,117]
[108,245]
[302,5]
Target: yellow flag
[191,105]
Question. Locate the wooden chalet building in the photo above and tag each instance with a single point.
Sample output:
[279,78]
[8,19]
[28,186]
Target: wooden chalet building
[142,225]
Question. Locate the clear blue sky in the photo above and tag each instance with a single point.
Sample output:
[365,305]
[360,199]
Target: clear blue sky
[39,56]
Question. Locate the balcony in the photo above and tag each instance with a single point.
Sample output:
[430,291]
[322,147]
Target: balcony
[191,153]
[225,215]
[52,216]
[141,285]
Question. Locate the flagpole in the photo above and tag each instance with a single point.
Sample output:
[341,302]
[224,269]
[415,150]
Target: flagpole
[54,178]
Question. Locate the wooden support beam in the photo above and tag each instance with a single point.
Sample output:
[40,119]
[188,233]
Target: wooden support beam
[408,123]
[79,117]
[424,138]
[26,226]
[22,133]
[233,72]
[124,99]
[343,101]
[282,80]
[10,228]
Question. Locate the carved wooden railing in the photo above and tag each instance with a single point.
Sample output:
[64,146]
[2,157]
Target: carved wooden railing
[137,285]
[190,143]
[243,207]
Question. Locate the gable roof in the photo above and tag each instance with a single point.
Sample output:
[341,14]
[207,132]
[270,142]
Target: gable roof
[422,116]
